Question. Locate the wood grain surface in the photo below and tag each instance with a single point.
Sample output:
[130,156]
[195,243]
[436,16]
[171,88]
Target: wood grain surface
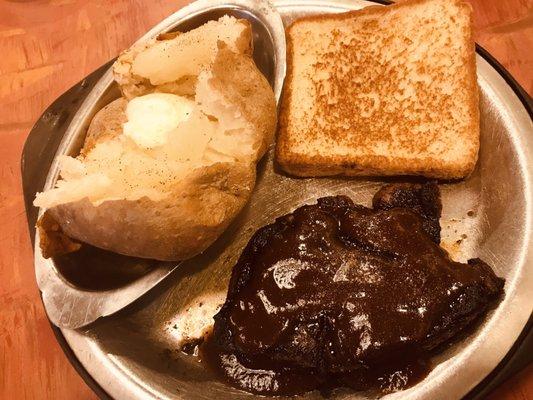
[48,46]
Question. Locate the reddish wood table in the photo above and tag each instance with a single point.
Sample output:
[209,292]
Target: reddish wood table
[48,46]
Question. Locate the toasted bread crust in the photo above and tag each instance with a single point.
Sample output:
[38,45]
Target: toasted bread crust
[429,165]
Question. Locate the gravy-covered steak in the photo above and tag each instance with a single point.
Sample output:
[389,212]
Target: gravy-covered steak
[424,199]
[337,294]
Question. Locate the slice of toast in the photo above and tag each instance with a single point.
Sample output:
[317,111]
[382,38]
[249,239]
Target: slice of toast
[382,91]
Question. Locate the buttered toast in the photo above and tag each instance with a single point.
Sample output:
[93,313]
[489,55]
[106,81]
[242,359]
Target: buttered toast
[381,91]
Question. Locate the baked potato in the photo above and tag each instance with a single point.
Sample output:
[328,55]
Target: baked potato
[164,171]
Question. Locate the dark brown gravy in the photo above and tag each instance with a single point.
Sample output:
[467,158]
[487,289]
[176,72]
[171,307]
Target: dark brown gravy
[337,294]
[270,378]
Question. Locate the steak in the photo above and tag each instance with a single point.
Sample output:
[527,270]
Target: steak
[424,199]
[337,294]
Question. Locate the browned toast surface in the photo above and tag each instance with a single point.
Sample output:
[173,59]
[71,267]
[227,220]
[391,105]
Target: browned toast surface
[381,91]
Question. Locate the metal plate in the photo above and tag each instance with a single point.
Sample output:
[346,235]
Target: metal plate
[133,354]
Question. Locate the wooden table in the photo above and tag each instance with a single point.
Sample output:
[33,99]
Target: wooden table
[48,46]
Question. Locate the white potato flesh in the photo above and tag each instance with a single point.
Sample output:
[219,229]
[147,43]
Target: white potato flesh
[165,138]
[195,50]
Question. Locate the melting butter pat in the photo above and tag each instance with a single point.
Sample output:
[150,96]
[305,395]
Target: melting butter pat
[153,117]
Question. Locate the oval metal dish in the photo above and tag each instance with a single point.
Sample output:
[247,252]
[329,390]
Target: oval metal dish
[69,306]
[134,354]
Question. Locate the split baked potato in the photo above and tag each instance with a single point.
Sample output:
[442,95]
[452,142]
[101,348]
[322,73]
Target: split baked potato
[165,168]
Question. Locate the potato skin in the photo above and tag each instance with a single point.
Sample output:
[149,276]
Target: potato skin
[106,124]
[244,86]
[180,226]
